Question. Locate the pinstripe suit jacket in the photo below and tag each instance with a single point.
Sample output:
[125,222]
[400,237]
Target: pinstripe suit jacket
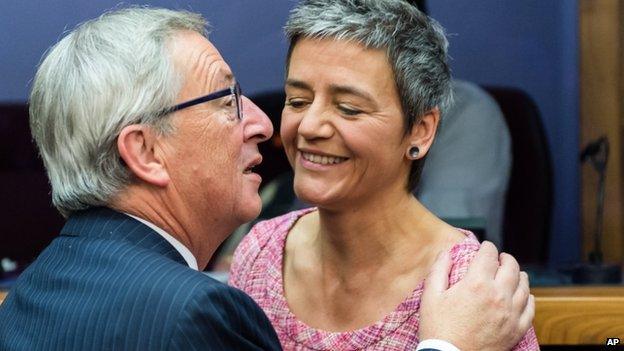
[109,282]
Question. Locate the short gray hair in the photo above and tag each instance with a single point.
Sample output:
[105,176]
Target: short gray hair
[108,73]
[415,44]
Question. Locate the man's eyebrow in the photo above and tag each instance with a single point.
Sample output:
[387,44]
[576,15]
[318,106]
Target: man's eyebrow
[346,89]
[224,76]
[229,77]
[298,84]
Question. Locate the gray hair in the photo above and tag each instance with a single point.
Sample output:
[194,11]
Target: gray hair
[416,47]
[108,73]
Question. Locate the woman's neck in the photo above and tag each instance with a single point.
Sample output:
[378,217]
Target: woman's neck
[373,236]
[358,263]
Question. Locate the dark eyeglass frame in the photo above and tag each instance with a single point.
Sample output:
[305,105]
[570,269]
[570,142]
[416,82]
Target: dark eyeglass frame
[232,90]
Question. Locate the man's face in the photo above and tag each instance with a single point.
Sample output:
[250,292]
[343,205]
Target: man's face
[210,152]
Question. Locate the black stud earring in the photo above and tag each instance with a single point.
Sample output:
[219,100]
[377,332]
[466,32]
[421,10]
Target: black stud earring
[413,152]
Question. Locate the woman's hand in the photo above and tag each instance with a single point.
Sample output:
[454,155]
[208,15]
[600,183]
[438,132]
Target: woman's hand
[491,308]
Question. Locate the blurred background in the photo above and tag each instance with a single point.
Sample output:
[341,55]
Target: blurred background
[555,69]
[536,47]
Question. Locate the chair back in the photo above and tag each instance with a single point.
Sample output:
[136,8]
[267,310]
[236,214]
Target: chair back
[274,161]
[29,222]
[528,204]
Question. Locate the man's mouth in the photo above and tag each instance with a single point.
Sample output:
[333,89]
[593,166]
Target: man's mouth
[322,159]
[256,161]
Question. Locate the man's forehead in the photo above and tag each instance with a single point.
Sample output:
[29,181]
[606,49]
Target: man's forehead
[197,54]
[208,56]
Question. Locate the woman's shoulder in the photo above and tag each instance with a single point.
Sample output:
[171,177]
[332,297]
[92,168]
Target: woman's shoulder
[266,238]
[462,254]
[274,229]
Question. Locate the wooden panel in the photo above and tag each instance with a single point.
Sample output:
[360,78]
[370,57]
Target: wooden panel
[602,113]
[579,291]
[578,315]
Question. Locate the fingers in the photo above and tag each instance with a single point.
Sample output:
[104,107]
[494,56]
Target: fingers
[521,295]
[526,318]
[485,263]
[523,304]
[508,274]
[437,281]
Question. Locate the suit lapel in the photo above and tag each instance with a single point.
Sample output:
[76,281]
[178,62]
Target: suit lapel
[105,223]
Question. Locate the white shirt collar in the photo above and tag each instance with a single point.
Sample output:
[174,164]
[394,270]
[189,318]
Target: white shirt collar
[183,250]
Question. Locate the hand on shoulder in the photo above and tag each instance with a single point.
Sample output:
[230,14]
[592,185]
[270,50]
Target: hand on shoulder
[491,308]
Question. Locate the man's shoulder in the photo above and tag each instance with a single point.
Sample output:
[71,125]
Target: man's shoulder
[102,265]
[122,296]
[212,313]
[224,318]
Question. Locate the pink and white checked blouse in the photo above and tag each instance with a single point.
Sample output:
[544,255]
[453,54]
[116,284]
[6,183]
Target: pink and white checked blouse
[257,270]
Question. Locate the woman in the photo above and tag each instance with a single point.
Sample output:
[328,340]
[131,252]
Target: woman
[366,83]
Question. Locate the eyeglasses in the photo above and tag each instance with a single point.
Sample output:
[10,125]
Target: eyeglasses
[234,91]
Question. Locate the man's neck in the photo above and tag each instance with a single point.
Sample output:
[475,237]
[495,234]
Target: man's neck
[183,250]
[169,215]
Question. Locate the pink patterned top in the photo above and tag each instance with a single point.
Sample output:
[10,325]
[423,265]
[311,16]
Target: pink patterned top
[257,270]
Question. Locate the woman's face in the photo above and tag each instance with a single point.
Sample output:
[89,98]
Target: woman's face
[342,125]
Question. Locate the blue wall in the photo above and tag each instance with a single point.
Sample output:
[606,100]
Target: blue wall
[530,44]
[247,32]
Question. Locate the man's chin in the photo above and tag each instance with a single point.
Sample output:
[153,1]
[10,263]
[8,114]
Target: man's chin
[251,210]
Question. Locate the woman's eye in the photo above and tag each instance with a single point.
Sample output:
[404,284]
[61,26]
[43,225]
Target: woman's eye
[295,103]
[348,110]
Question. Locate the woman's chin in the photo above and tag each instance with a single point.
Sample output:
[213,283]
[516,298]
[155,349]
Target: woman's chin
[314,197]
[319,192]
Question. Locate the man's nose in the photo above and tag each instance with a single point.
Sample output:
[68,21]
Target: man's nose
[257,123]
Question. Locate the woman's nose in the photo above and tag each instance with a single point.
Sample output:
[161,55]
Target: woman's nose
[315,123]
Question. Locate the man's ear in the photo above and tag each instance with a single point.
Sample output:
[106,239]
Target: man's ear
[136,147]
[423,133]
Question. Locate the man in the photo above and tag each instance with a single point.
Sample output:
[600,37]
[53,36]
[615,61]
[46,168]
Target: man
[149,147]
[148,192]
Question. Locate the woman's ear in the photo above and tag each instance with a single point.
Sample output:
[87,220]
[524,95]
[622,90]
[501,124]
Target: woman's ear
[136,147]
[420,138]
